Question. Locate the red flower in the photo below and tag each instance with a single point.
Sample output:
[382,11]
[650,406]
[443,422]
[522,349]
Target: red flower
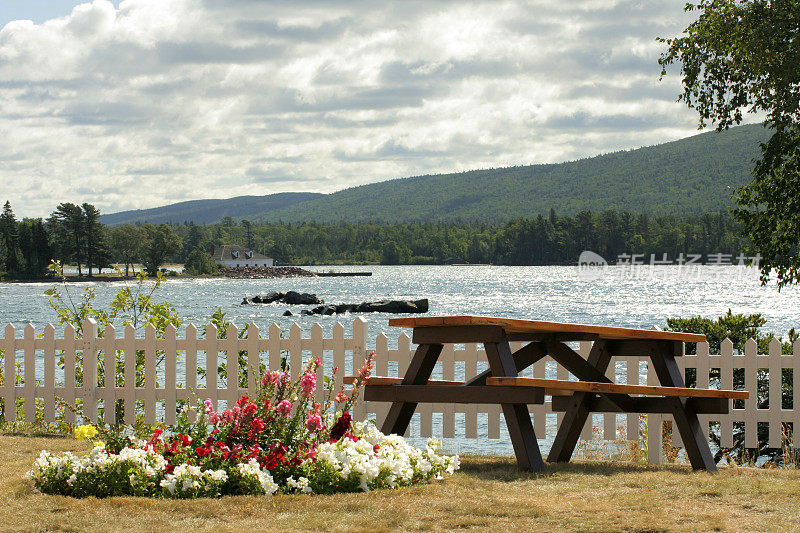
[250,409]
[257,425]
[202,452]
[341,427]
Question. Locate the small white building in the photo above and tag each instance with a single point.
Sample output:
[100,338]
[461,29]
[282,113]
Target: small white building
[239,256]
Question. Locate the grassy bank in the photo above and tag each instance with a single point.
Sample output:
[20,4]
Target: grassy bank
[489,492]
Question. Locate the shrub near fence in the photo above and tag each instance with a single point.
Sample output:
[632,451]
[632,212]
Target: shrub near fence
[32,372]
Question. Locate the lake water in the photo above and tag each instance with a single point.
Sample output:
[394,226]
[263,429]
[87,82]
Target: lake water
[619,297]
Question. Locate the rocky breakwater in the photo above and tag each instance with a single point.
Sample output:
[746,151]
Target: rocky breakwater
[385,306]
[265,272]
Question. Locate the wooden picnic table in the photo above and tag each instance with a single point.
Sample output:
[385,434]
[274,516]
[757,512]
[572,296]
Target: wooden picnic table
[594,392]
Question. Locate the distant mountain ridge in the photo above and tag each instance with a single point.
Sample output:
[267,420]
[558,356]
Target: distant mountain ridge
[694,175]
[209,211]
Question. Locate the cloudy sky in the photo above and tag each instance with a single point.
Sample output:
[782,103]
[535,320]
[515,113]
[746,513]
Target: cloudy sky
[139,103]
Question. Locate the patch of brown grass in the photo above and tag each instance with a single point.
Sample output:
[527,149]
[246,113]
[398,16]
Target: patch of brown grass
[488,493]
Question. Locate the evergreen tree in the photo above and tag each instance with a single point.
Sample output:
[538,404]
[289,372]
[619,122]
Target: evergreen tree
[93,237]
[34,242]
[10,254]
[68,228]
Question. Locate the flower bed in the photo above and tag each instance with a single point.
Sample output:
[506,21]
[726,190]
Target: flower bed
[281,441]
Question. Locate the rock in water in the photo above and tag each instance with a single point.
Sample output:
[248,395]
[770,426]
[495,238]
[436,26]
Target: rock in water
[291,298]
[385,306]
[296,298]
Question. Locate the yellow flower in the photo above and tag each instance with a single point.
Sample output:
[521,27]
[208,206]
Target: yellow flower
[84,432]
[99,443]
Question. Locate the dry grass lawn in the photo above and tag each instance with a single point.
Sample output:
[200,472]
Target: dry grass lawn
[488,493]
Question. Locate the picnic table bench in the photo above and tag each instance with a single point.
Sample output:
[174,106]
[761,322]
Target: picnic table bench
[593,392]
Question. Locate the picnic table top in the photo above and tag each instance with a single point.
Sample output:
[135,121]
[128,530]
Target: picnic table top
[511,325]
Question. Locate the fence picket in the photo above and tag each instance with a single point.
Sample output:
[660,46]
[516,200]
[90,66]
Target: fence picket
[338,355]
[148,392]
[796,393]
[726,382]
[317,351]
[129,373]
[702,367]
[109,347]
[253,359]
[70,348]
[10,374]
[29,361]
[775,393]
[230,344]
[49,385]
[751,384]
[212,349]
[191,358]
[89,367]
[170,371]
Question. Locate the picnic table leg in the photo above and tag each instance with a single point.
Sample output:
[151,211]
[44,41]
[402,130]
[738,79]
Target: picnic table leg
[418,373]
[575,417]
[695,439]
[518,419]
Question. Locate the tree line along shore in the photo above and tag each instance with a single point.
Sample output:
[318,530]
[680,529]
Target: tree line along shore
[73,234]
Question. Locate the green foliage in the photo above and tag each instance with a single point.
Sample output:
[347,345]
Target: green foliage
[743,55]
[541,241]
[160,242]
[769,207]
[126,242]
[199,262]
[738,328]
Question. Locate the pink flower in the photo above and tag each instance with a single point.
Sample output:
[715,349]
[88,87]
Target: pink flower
[257,425]
[215,418]
[272,376]
[284,407]
[308,383]
[209,405]
[250,409]
[341,397]
[314,422]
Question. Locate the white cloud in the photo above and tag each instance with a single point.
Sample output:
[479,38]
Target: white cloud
[165,100]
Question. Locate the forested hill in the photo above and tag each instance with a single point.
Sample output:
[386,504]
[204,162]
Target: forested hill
[694,175]
[208,211]
[689,176]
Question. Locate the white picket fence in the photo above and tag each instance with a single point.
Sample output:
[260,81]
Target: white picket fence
[171,374]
